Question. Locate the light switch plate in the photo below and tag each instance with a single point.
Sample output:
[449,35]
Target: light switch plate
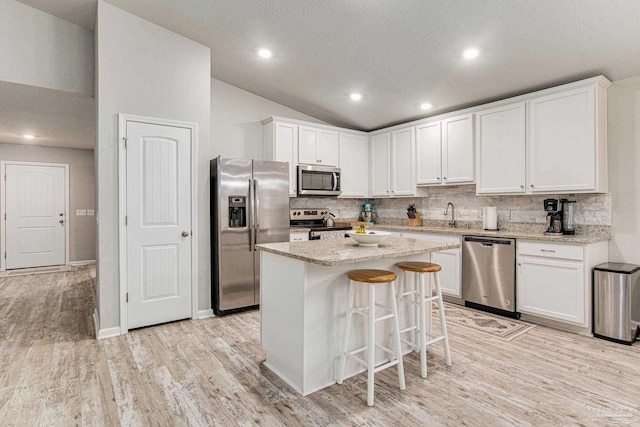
[91,212]
[81,212]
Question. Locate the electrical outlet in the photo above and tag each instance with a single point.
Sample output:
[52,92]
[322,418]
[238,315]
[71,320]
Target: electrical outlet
[91,212]
[81,212]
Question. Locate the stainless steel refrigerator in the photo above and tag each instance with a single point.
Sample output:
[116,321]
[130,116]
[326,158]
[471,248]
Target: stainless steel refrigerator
[249,205]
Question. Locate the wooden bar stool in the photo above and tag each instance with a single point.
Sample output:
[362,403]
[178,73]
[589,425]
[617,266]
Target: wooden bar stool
[419,298]
[372,277]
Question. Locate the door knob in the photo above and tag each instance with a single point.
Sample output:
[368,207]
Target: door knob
[185,233]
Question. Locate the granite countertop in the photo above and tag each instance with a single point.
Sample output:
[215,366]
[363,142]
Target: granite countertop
[346,251]
[593,235]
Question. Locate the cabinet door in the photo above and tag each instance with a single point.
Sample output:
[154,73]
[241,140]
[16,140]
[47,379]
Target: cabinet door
[286,150]
[354,158]
[428,154]
[562,141]
[500,148]
[307,143]
[403,174]
[457,150]
[380,162]
[552,288]
[327,148]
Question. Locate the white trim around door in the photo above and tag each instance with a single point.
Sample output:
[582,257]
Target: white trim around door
[123,119]
[3,208]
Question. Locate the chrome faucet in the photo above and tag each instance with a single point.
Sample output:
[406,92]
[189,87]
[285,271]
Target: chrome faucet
[452,223]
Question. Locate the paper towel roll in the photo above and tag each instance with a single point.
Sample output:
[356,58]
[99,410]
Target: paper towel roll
[490,218]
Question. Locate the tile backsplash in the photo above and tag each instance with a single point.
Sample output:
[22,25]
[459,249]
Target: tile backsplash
[591,209]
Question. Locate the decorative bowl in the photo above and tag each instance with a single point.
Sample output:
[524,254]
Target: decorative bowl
[372,238]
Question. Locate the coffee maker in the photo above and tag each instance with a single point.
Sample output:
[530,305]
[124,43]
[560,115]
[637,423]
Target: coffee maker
[554,217]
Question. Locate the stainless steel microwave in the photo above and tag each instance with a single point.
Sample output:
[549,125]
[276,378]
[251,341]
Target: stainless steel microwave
[314,180]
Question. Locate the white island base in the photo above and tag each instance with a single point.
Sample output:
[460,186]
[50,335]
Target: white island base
[303,306]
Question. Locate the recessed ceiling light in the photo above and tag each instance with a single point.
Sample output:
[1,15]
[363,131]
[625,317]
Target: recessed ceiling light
[425,106]
[28,136]
[264,53]
[356,96]
[470,53]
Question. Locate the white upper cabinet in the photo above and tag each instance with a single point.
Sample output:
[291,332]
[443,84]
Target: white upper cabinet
[564,144]
[318,146]
[429,153]
[445,151]
[500,150]
[281,144]
[552,142]
[457,150]
[392,163]
[354,158]
[380,165]
[403,173]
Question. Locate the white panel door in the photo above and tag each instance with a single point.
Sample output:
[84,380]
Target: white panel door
[36,216]
[158,230]
[307,143]
[380,162]
[457,150]
[562,141]
[327,148]
[403,166]
[354,161]
[500,144]
[429,153]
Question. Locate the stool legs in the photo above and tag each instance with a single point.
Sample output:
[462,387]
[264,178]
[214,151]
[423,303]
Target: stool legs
[443,322]
[370,363]
[371,351]
[420,299]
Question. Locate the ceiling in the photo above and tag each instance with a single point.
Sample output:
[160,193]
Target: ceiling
[397,54]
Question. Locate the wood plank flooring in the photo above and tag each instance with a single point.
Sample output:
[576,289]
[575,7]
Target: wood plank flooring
[209,372]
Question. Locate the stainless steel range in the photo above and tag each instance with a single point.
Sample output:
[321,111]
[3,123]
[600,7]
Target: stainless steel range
[313,218]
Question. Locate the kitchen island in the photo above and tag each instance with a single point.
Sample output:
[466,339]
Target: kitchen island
[303,303]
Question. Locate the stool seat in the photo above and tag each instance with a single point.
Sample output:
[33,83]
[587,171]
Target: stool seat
[419,267]
[372,276]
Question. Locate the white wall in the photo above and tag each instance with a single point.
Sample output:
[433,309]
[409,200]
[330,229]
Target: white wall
[81,190]
[39,49]
[146,70]
[624,169]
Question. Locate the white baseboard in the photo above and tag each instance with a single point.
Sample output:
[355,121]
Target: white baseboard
[205,314]
[104,333]
[85,262]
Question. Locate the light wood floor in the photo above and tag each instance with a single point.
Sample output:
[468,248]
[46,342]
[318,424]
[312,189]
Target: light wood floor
[209,372]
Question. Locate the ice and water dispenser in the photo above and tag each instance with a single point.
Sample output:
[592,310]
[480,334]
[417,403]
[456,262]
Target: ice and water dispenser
[237,211]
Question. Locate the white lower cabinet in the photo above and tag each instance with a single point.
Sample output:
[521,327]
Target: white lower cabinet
[450,260]
[554,280]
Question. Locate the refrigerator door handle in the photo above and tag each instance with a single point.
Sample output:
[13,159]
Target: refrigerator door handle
[250,215]
[256,212]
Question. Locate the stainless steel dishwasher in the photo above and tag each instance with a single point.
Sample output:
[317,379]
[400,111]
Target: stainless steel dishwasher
[489,274]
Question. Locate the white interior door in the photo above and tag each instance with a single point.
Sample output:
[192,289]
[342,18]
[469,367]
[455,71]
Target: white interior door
[36,215]
[158,225]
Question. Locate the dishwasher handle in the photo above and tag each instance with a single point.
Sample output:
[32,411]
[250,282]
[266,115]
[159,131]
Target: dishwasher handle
[488,242]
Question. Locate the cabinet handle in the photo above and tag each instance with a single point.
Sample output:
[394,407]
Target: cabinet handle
[548,251]
[438,178]
[519,263]
[522,186]
[444,177]
[532,185]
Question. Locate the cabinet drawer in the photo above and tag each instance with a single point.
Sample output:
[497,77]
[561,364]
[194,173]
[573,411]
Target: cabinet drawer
[551,250]
[432,237]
